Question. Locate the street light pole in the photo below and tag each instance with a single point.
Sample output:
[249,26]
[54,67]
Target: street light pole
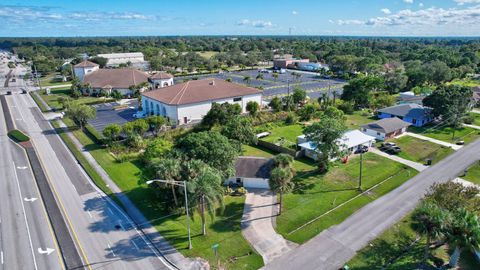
[360,178]
[184,185]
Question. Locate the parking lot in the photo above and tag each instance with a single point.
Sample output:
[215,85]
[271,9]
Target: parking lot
[310,82]
[109,113]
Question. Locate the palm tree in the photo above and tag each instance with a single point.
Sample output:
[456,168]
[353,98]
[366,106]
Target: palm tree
[169,169]
[247,79]
[280,182]
[259,77]
[207,192]
[275,76]
[463,234]
[283,160]
[429,220]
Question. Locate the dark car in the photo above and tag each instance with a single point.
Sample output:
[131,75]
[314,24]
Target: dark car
[394,150]
[362,150]
[24,91]
[9,92]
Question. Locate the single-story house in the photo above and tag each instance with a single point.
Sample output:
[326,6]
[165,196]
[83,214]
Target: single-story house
[350,142]
[410,97]
[111,80]
[190,101]
[252,172]
[415,114]
[161,79]
[386,128]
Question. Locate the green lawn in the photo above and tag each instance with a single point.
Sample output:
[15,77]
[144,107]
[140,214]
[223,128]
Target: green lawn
[207,54]
[49,80]
[465,82]
[397,245]
[359,118]
[445,133]
[316,194]
[476,117]
[285,133]
[224,229]
[473,174]
[52,98]
[418,150]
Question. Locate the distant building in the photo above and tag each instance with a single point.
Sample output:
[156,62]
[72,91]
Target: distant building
[110,80]
[410,97]
[191,101]
[161,79]
[135,59]
[287,62]
[386,128]
[252,172]
[350,142]
[83,68]
[415,114]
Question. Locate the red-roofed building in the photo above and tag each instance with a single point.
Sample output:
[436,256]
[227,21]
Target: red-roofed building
[190,101]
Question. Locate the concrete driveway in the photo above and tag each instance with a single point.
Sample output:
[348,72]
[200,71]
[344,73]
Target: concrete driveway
[258,225]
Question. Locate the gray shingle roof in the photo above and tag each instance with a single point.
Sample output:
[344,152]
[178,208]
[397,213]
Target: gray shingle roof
[408,110]
[387,125]
[253,167]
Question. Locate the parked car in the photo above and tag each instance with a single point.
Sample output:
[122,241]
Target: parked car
[264,71]
[24,91]
[460,142]
[394,150]
[362,150]
[9,92]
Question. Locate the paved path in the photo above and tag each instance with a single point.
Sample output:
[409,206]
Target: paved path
[417,166]
[257,225]
[168,251]
[472,126]
[451,145]
[476,111]
[333,247]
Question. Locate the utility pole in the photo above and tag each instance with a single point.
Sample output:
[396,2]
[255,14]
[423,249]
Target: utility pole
[360,178]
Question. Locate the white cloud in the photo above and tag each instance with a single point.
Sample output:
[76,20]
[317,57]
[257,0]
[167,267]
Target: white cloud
[385,10]
[408,1]
[463,2]
[432,16]
[256,23]
[420,4]
[294,12]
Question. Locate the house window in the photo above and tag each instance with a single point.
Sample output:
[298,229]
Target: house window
[237,99]
[364,130]
[414,121]
[378,133]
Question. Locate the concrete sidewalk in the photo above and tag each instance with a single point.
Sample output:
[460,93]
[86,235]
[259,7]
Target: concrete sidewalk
[472,126]
[476,111]
[451,145]
[417,166]
[257,225]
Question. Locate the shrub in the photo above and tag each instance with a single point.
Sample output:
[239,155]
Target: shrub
[468,119]
[98,138]
[18,136]
[346,107]
[291,119]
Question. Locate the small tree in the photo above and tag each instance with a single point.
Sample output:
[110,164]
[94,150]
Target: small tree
[280,182]
[283,160]
[169,169]
[259,77]
[140,126]
[429,220]
[247,79]
[252,108]
[240,129]
[80,114]
[156,123]
[299,95]
[111,132]
[275,104]
[463,234]
[275,76]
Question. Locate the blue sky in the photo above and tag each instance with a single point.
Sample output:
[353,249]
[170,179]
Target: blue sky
[241,17]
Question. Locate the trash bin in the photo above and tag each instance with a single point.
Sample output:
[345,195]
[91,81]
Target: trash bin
[429,162]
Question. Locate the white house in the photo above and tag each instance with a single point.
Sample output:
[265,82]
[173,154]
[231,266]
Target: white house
[116,59]
[350,142]
[386,128]
[190,101]
[161,79]
[84,68]
[251,172]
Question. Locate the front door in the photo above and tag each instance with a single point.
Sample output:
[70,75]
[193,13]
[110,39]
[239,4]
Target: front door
[185,120]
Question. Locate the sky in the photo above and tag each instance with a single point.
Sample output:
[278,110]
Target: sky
[242,17]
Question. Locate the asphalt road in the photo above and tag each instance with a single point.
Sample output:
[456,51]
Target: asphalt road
[26,236]
[104,235]
[335,246]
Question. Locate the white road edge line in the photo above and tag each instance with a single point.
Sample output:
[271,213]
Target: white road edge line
[111,249]
[25,216]
[1,255]
[135,245]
